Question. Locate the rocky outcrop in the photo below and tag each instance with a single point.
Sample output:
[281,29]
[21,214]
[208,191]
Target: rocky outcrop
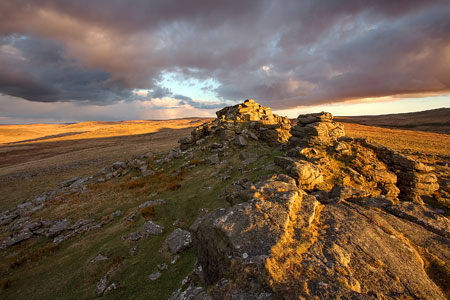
[285,244]
[415,179]
[248,229]
[238,123]
[315,129]
[320,166]
[328,226]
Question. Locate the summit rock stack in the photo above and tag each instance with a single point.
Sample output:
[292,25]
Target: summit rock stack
[242,121]
[318,128]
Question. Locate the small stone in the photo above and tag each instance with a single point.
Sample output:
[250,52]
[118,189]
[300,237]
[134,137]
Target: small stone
[99,257]
[162,267]
[133,250]
[152,228]
[252,135]
[175,259]
[154,276]
[214,159]
[226,177]
[101,285]
[117,165]
[152,202]
[117,213]
[132,217]
[240,140]
[216,146]
[244,255]
[135,236]
[112,287]
[148,173]
[58,227]
[68,182]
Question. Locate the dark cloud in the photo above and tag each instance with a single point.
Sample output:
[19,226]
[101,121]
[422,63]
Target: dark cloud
[38,70]
[284,54]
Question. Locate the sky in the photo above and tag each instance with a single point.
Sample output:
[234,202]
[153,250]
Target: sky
[70,61]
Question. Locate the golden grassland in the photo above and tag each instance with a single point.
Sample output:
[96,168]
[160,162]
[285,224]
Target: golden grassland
[88,130]
[30,168]
[402,140]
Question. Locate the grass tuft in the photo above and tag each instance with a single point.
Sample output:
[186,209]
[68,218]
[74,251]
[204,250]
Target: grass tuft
[5,283]
[148,212]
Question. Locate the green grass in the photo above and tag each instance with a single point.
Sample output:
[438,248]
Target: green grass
[67,272]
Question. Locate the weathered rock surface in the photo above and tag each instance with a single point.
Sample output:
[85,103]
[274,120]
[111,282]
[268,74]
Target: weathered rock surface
[16,238]
[179,240]
[423,216]
[307,174]
[284,244]
[246,229]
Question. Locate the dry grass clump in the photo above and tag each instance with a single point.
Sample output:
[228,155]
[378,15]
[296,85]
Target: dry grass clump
[195,162]
[173,186]
[170,182]
[148,212]
[23,257]
[133,184]
[5,283]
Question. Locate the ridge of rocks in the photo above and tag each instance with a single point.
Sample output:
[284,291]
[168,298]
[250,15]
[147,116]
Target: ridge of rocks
[329,225]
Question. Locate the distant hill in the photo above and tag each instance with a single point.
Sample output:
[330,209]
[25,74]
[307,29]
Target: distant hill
[434,120]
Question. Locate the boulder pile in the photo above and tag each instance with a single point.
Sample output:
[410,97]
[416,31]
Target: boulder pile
[318,128]
[240,122]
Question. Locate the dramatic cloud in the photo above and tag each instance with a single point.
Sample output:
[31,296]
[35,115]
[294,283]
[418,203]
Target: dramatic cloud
[283,53]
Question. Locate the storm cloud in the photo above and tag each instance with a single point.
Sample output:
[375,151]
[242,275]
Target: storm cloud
[283,53]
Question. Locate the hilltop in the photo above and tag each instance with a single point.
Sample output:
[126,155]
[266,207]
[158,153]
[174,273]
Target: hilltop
[246,206]
[434,120]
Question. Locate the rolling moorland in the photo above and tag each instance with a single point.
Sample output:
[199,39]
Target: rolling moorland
[111,209]
[434,120]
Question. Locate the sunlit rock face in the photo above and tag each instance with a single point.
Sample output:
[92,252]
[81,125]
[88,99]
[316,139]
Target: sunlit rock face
[316,128]
[238,123]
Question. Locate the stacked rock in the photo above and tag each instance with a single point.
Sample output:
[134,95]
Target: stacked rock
[415,179]
[248,111]
[239,122]
[318,128]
